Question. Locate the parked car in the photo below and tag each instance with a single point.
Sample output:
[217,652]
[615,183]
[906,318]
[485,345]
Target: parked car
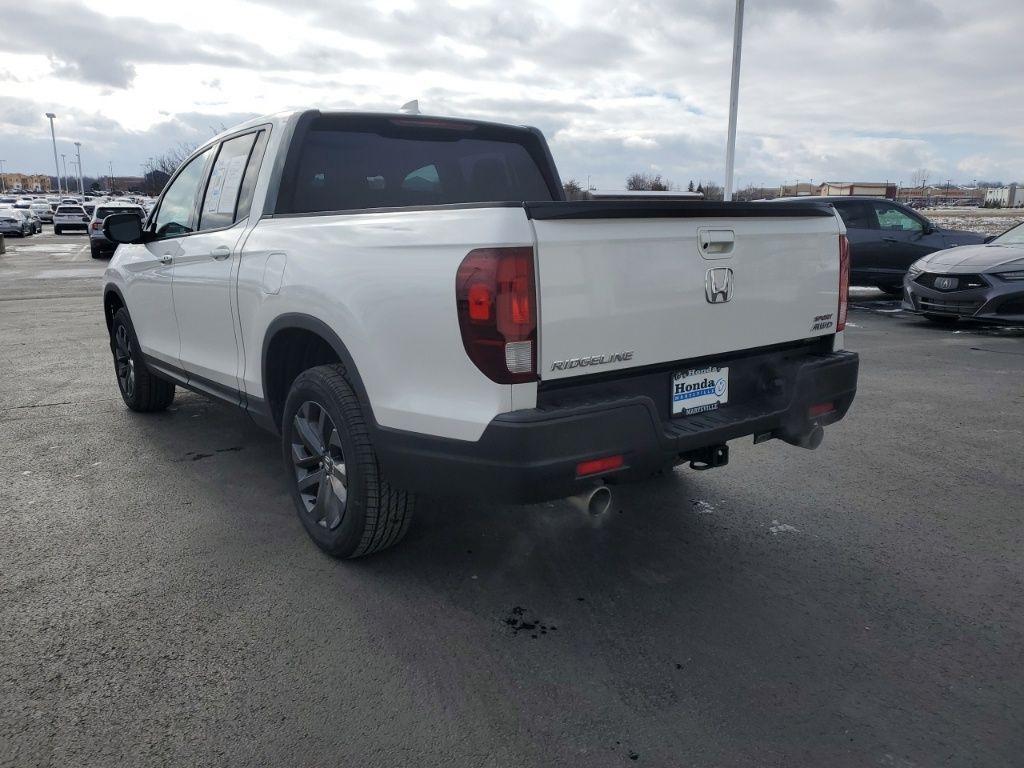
[69,217]
[887,237]
[976,282]
[412,304]
[43,211]
[98,243]
[13,223]
[25,209]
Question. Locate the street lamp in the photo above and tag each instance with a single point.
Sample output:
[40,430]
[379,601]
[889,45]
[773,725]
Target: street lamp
[67,187]
[53,137]
[3,180]
[81,184]
[734,96]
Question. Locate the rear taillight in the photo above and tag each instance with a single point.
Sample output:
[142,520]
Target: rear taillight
[844,282]
[496,300]
[97,224]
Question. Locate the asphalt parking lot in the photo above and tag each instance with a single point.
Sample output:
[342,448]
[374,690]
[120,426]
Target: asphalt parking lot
[860,605]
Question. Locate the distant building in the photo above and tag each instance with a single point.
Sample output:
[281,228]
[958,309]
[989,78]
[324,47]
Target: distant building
[866,188]
[801,189]
[29,182]
[1011,196]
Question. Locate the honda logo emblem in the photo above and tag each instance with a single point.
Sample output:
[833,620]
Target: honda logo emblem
[718,285]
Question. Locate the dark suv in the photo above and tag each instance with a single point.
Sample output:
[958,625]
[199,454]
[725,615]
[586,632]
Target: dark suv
[887,237]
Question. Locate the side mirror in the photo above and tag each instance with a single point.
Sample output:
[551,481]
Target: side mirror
[929,228]
[123,228]
[989,239]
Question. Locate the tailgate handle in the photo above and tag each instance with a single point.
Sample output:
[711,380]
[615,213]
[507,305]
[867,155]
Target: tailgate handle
[716,243]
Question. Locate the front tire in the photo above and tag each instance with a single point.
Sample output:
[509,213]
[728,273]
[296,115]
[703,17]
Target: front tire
[140,389]
[344,504]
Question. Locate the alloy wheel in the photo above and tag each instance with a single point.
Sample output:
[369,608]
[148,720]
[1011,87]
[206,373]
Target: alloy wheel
[319,464]
[124,362]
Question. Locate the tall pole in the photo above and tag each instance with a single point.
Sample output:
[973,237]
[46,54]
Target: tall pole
[67,187]
[53,137]
[734,96]
[110,176]
[81,183]
[3,179]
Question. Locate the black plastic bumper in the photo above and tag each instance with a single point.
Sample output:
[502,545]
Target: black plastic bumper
[532,455]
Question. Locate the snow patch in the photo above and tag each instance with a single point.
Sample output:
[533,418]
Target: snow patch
[776,528]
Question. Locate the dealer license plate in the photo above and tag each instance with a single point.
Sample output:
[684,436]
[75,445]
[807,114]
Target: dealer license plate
[699,390]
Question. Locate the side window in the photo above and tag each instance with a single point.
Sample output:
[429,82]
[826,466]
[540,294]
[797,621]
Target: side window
[225,183]
[857,215]
[892,219]
[174,217]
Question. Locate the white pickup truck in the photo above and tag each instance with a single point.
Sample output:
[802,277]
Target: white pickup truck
[413,306]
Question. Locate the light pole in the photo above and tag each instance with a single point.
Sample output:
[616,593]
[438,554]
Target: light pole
[110,176]
[67,187]
[53,138]
[734,95]
[81,183]
[3,180]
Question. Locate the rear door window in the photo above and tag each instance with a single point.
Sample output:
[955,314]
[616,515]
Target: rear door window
[364,163]
[857,214]
[222,191]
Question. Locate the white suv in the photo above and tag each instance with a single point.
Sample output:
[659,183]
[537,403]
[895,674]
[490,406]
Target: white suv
[71,217]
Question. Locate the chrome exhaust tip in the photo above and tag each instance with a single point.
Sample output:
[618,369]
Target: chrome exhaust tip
[595,501]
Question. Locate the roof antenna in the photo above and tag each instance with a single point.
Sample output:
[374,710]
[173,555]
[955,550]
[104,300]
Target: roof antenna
[411,107]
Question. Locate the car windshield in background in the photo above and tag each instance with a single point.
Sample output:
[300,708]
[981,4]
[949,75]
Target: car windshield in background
[1013,236]
[67,209]
[102,213]
[351,164]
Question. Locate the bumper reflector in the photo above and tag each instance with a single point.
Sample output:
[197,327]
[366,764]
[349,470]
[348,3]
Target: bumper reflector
[820,410]
[597,466]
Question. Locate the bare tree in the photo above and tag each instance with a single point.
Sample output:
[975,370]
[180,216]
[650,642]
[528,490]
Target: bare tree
[169,161]
[574,190]
[920,177]
[711,190]
[644,182]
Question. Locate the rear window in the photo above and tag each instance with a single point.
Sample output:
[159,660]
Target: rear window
[103,212]
[71,209]
[346,163]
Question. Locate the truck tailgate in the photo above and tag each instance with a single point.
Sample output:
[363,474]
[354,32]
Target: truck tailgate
[625,285]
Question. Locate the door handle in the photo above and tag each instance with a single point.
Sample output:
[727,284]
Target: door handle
[890,240]
[220,252]
[166,258]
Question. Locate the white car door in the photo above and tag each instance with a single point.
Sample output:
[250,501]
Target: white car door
[204,271]
[149,267]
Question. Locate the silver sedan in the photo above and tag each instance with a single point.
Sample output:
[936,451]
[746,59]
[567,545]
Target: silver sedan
[971,282]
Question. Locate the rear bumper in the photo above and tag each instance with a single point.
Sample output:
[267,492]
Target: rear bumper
[531,455]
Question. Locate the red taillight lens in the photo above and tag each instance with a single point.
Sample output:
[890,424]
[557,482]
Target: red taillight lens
[97,224]
[844,282]
[496,300]
[597,466]
[820,409]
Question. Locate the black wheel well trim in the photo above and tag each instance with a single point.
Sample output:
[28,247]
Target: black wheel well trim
[109,289]
[299,321]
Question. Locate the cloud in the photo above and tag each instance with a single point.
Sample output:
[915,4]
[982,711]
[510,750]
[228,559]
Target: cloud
[863,90]
[85,45]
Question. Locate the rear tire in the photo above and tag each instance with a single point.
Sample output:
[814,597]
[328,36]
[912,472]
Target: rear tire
[941,319]
[57,230]
[94,251]
[140,389]
[344,504]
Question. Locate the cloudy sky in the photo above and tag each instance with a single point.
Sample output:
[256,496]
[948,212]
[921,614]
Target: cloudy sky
[830,89]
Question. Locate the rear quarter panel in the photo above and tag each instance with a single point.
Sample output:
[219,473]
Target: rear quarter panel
[385,283]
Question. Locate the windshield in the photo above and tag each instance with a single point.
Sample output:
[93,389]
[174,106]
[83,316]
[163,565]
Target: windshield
[1013,236]
[103,212]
